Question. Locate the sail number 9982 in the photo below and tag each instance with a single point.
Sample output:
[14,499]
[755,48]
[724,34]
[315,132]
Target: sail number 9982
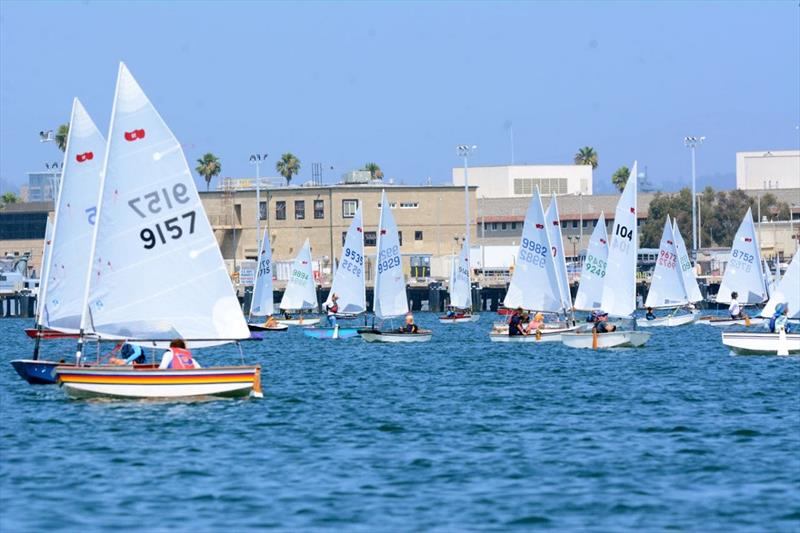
[532,252]
[173,228]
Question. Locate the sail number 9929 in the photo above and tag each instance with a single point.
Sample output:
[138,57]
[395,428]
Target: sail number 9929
[174,228]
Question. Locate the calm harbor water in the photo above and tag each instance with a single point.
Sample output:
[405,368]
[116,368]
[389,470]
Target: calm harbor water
[458,434]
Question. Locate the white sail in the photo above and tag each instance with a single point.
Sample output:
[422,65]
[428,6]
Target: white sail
[75,212]
[593,273]
[743,272]
[348,282]
[687,270]
[262,303]
[461,289]
[534,285]
[452,281]
[666,287]
[557,244]
[301,292]
[44,269]
[787,291]
[769,279]
[619,288]
[156,270]
[390,285]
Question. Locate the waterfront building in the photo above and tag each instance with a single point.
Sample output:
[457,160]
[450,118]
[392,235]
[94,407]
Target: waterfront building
[771,169]
[41,186]
[515,181]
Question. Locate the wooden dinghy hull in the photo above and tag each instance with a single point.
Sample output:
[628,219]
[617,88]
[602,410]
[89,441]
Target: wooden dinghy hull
[614,339]
[547,335]
[722,322]
[124,382]
[742,342]
[375,335]
[299,322]
[667,321]
[459,319]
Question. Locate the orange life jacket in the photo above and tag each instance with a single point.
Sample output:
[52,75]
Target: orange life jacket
[181,359]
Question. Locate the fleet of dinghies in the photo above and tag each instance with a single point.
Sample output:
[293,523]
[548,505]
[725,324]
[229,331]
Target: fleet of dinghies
[130,243]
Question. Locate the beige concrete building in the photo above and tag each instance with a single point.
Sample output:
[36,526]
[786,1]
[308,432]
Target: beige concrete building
[508,181]
[776,169]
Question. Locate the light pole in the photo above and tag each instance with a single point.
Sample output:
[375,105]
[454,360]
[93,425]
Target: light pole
[465,150]
[691,142]
[257,159]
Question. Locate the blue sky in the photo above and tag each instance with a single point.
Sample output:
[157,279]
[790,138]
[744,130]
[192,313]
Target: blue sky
[402,84]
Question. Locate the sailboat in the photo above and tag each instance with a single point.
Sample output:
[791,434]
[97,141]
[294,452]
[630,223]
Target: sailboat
[593,273]
[390,299]
[668,286]
[262,303]
[743,275]
[300,293]
[619,285]
[66,251]
[557,246]
[787,292]
[154,271]
[534,285]
[348,284]
[460,290]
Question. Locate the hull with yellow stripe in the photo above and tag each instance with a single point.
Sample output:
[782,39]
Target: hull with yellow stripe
[124,382]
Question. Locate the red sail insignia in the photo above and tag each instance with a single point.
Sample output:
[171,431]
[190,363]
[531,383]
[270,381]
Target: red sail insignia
[86,156]
[134,135]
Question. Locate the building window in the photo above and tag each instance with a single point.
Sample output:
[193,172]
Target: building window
[344,236]
[392,205]
[299,209]
[585,223]
[574,223]
[280,210]
[564,224]
[409,205]
[319,209]
[513,225]
[418,235]
[349,208]
[370,238]
[503,225]
[262,210]
[494,226]
[400,237]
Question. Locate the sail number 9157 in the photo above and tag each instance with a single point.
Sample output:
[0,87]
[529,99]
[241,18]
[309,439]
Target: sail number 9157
[173,228]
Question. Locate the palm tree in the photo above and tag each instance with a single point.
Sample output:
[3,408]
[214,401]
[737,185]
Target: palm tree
[61,137]
[288,166]
[9,198]
[375,171]
[208,166]
[620,178]
[586,156]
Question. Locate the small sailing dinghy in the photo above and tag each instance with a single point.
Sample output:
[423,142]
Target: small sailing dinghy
[743,275]
[390,299]
[155,269]
[619,285]
[348,285]
[261,304]
[300,295]
[668,286]
[460,291]
[66,252]
[787,293]
[534,285]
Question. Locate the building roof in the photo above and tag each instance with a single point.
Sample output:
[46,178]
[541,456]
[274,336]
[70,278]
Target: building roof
[28,207]
[570,207]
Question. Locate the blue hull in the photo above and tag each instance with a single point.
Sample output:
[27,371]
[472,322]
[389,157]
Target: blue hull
[36,372]
[327,333]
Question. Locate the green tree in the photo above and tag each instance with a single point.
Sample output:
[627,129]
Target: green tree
[586,156]
[288,166]
[772,208]
[620,178]
[208,166]
[61,137]
[375,171]
[9,198]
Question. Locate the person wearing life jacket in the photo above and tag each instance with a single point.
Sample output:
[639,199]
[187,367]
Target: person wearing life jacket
[735,309]
[410,326]
[331,308]
[178,357]
[780,319]
[129,354]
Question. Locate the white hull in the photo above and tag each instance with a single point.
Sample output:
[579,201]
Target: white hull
[667,321]
[299,322]
[548,335]
[727,322]
[393,337]
[759,343]
[615,339]
[459,320]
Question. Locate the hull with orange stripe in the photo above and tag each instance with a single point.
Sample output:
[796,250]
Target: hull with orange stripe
[132,383]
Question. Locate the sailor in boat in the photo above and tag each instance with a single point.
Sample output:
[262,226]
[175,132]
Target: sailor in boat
[410,326]
[536,324]
[602,325]
[178,357]
[451,312]
[650,315]
[780,319]
[129,354]
[271,322]
[331,309]
[735,309]
[515,324]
